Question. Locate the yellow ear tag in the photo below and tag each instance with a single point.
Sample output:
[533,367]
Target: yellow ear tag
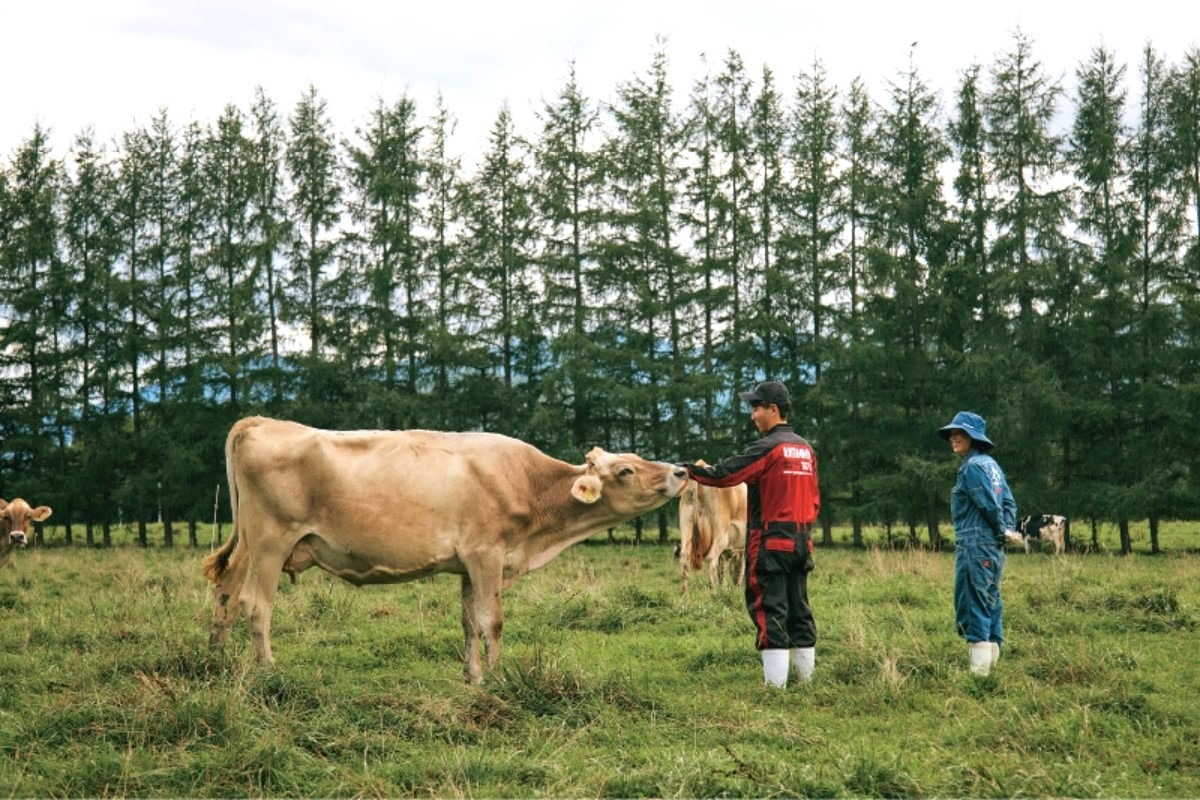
[587,489]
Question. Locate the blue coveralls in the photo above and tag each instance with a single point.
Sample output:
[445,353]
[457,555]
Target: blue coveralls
[983,508]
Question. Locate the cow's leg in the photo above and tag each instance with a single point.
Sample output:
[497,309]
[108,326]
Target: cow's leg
[716,561]
[685,544]
[472,669]
[258,595]
[483,616]
[704,523]
[737,565]
[227,598]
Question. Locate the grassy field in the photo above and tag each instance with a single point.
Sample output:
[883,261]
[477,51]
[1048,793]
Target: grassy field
[611,685]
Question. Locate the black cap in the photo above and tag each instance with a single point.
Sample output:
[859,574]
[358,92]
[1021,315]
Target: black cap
[768,392]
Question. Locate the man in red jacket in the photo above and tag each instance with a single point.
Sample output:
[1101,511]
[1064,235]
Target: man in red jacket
[780,471]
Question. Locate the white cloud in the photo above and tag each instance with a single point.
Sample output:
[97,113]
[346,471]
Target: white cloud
[113,64]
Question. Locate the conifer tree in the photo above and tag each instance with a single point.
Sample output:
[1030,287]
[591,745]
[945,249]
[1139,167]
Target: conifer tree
[28,261]
[735,203]
[567,198]
[812,282]
[90,239]
[385,178]
[1035,273]
[270,229]
[500,236]
[231,274]
[1158,232]
[161,442]
[908,233]
[314,171]
[134,213]
[447,334]
[1029,249]
[642,259]
[856,438]
[1106,327]
[769,142]
[702,291]
[963,287]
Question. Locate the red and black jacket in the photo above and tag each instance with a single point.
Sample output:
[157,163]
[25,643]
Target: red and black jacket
[780,471]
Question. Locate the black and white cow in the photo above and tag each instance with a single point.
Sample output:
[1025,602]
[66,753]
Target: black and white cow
[1043,528]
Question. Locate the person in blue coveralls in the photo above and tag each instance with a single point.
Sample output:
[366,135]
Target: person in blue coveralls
[984,513]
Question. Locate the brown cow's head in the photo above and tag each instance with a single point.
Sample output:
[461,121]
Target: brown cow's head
[14,524]
[628,484]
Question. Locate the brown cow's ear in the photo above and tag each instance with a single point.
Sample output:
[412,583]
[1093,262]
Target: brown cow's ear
[3,504]
[587,489]
[40,513]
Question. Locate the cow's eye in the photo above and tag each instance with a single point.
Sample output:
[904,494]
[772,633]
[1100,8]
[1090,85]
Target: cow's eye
[624,472]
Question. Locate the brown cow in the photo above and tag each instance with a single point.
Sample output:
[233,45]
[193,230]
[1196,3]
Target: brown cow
[14,524]
[393,506]
[712,528]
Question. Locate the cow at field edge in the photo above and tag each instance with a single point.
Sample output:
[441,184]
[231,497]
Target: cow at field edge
[14,524]
[394,506]
[712,528]
[1043,528]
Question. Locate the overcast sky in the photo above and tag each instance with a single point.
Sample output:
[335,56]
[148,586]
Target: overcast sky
[113,64]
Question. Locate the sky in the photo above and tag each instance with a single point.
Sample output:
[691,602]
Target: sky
[112,65]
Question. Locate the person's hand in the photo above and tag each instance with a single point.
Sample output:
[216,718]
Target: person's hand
[1013,537]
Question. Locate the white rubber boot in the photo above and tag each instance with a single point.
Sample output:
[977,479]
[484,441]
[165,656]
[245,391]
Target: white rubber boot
[981,657]
[995,652]
[775,667]
[804,659]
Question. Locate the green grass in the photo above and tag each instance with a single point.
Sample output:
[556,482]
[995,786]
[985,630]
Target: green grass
[611,684]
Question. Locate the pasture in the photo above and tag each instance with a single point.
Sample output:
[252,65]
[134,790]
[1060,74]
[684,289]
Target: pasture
[611,684]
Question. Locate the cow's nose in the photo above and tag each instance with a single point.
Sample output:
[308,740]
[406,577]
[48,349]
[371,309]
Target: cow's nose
[17,537]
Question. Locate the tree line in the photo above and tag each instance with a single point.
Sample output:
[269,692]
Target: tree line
[612,277]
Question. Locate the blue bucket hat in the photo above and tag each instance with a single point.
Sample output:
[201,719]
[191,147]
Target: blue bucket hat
[972,425]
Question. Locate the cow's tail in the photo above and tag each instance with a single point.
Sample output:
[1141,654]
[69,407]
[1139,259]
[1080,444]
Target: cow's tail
[216,564]
[701,543]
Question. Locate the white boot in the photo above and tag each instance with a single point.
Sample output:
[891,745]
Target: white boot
[804,659]
[981,657]
[995,652]
[775,667]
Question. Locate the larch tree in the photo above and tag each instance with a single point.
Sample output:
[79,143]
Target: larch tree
[1158,233]
[769,145]
[1105,346]
[90,239]
[135,220]
[908,230]
[642,255]
[446,336]
[270,231]
[812,282]
[385,177]
[701,289]
[230,269]
[315,206]
[567,199]
[500,219]
[1034,270]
